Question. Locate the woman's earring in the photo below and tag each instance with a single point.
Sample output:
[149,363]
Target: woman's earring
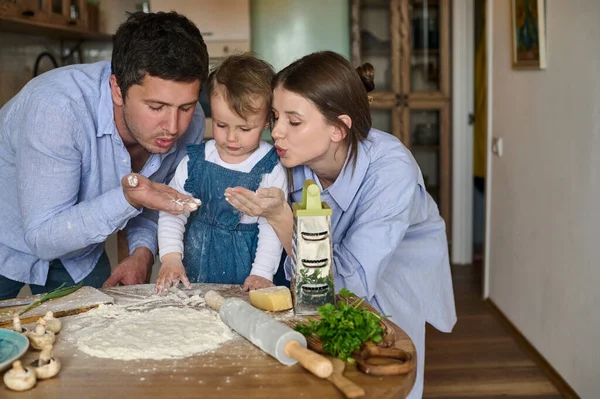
[370,99]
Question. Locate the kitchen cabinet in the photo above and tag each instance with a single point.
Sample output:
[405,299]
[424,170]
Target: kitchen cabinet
[58,19]
[224,24]
[408,43]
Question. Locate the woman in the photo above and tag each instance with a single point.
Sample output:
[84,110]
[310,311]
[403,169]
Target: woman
[389,241]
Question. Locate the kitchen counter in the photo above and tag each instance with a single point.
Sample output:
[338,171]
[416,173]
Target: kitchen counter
[236,370]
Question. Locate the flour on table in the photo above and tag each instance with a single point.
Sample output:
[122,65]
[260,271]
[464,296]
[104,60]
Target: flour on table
[157,332]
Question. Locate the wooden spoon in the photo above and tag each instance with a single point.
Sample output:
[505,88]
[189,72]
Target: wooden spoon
[350,389]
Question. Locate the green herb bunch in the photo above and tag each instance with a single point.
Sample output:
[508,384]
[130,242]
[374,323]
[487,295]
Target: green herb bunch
[344,328]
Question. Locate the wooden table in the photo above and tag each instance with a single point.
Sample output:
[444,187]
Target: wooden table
[237,370]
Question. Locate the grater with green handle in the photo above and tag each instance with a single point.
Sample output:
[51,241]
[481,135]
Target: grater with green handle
[312,254]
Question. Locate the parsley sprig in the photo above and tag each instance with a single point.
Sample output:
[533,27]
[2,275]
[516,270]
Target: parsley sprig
[345,327]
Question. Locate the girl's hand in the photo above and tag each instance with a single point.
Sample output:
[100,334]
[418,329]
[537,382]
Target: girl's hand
[268,203]
[171,273]
[256,282]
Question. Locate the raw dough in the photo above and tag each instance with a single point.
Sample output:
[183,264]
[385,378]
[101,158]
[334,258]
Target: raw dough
[116,332]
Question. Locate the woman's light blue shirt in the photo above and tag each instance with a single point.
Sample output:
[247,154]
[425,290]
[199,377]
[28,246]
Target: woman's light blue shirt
[389,241]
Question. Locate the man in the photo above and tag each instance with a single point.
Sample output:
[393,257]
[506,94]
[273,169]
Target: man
[84,150]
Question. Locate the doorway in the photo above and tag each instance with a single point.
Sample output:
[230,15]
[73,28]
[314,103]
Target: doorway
[479,121]
[471,113]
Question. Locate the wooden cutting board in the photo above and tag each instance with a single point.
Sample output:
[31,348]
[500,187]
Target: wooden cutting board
[80,301]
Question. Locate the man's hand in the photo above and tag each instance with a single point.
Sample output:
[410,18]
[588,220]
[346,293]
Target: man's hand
[134,269]
[171,273]
[142,192]
[253,282]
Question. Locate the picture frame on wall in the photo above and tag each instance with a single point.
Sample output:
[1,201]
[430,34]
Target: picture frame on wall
[529,34]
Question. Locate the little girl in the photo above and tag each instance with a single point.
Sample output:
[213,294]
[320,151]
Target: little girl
[219,244]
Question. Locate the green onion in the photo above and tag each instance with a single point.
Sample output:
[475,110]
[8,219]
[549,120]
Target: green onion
[56,293]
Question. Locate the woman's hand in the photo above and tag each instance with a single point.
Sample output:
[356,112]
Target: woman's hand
[253,282]
[268,203]
[171,273]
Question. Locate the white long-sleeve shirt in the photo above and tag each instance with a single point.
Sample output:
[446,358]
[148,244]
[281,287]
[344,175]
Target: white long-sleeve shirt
[171,228]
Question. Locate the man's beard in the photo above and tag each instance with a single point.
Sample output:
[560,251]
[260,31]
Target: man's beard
[133,133]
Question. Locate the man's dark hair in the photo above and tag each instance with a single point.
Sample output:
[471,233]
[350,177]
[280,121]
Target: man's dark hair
[164,45]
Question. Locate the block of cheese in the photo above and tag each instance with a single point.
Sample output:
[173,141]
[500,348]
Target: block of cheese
[272,299]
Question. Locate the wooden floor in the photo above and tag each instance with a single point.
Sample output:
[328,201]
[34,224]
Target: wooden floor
[479,359]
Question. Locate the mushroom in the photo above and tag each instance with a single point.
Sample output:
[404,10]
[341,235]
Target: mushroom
[40,337]
[17,324]
[18,378]
[52,324]
[46,366]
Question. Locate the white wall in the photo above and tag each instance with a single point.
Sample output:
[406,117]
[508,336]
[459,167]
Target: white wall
[545,222]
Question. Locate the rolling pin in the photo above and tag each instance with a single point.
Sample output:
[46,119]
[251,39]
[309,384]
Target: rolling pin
[275,338]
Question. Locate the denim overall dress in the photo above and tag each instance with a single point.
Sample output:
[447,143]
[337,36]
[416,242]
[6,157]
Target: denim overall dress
[217,247]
